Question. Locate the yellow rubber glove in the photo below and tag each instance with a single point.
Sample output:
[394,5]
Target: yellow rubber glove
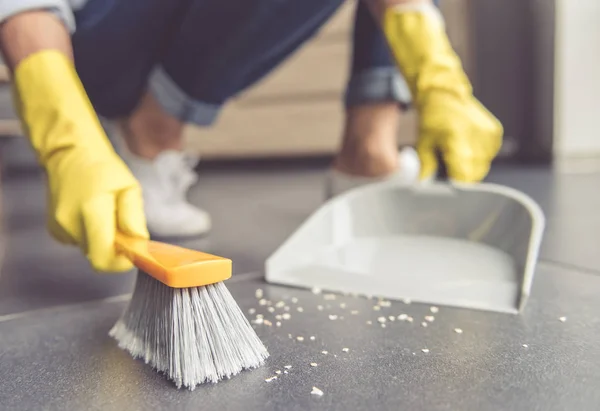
[92,193]
[451,119]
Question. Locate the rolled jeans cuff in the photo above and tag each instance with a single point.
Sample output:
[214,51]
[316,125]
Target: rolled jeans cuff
[382,84]
[177,103]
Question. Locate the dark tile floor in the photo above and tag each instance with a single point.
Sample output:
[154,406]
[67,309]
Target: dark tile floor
[55,314]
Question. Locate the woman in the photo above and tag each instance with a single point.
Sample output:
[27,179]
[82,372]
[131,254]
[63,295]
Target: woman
[156,65]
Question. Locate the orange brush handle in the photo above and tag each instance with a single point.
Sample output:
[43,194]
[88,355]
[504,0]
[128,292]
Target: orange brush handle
[174,266]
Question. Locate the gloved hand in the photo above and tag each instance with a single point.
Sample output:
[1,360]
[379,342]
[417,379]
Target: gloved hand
[451,119]
[92,193]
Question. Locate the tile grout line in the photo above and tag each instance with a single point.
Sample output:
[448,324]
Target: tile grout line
[234,279]
[567,266]
[22,314]
[244,276]
[109,300]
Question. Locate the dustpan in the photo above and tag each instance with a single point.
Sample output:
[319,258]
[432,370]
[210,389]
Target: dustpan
[470,246]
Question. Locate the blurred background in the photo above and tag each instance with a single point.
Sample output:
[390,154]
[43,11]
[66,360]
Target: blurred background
[532,63]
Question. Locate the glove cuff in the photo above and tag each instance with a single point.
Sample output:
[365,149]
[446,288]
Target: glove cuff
[53,106]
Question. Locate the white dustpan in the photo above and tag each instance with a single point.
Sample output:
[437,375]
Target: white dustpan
[472,246]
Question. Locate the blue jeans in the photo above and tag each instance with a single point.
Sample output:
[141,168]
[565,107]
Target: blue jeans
[194,55]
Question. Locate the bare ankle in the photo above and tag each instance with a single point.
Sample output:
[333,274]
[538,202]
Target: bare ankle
[369,146]
[150,130]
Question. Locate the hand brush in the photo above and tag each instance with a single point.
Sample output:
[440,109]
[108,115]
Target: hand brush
[182,319]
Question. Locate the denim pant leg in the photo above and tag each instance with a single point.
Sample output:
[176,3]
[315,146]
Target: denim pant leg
[220,50]
[374,76]
[116,44]
[193,55]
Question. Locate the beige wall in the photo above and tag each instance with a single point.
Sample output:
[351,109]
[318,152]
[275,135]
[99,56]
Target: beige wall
[577,84]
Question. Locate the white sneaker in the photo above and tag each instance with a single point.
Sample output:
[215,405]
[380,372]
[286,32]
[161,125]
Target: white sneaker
[409,167]
[165,183]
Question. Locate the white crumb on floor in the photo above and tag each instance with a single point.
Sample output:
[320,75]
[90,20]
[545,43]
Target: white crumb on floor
[286,308]
[262,302]
[300,338]
[406,301]
[409,319]
[278,324]
[300,309]
[320,307]
[294,300]
[345,349]
[278,317]
[385,303]
[324,352]
[285,372]
[562,319]
[525,346]
[354,312]
[260,316]
[369,322]
[424,324]
[333,317]
[271,378]
[458,331]
[381,319]
[267,323]
[392,318]
[258,321]
[251,311]
[287,367]
[382,325]
[278,372]
[316,290]
[329,297]
[258,293]
[425,350]
[403,317]
[313,364]
[312,338]
[376,307]
[290,335]
[342,305]
[286,316]
[429,318]
[434,309]
[316,391]
[271,309]
[280,304]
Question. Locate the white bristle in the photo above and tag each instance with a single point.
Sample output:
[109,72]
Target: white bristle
[193,335]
